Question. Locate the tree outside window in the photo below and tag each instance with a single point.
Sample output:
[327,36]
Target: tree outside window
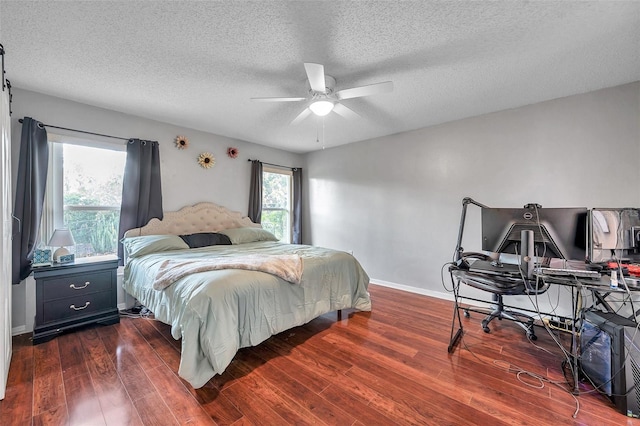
[92,198]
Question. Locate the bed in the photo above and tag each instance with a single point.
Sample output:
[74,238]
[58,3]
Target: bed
[220,297]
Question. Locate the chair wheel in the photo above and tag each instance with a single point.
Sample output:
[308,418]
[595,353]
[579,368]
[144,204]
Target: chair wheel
[532,336]
[466,313]
[486,329]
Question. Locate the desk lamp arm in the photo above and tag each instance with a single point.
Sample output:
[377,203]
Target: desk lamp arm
[465,202]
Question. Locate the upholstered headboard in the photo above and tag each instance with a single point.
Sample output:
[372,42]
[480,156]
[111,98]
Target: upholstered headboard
[201,217]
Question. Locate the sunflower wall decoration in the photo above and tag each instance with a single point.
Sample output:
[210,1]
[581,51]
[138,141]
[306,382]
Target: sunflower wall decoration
[206,160]
[232,152]
[182,142]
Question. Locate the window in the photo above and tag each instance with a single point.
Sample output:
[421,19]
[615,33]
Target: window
[276,202]
[84,192]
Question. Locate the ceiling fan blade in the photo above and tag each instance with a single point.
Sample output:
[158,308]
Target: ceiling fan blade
[304,114]
[277,99]
[315,74]
[345,112]
[371,89]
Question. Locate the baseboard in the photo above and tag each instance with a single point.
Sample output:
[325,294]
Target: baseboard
[16,331]
[430,293]
[410,289]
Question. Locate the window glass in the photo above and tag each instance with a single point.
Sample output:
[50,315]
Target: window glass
[276,203]
[92,194]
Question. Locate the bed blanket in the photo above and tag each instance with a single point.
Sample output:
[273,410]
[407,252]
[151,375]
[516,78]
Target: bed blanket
[287,267]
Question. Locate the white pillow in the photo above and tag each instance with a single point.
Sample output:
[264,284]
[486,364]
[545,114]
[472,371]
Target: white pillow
[248,235]
[139,246]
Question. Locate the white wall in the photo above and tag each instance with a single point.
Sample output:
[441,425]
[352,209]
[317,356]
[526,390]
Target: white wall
[184,182]
[396,201]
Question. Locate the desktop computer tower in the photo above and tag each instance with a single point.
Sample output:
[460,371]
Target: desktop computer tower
[610,358]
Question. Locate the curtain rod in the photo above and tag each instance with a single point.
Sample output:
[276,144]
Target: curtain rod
[277,165]
[81,131]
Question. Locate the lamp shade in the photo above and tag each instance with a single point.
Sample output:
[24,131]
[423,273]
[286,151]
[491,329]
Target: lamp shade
[321,108]
[61,238]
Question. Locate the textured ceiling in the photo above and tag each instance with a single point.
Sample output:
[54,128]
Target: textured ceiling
[197,64]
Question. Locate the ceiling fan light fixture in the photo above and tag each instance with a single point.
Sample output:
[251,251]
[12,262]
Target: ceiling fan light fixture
[321,108]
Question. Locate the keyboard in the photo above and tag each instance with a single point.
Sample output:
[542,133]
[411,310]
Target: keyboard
[493,268]
[558,272]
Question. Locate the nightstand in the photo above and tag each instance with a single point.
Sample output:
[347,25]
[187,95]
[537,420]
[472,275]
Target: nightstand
[74,294]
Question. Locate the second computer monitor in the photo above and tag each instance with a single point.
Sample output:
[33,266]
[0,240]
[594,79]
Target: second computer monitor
[615,234]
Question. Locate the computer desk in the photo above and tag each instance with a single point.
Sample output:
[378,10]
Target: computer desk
[600,290]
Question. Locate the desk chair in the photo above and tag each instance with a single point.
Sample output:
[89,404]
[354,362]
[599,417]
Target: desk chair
[500,286]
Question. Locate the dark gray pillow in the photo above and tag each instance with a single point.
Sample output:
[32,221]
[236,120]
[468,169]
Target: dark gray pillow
[204,239]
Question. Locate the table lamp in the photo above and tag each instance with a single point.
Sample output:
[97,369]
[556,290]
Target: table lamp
[61,238]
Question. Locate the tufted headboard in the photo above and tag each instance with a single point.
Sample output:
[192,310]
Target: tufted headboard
[201,217]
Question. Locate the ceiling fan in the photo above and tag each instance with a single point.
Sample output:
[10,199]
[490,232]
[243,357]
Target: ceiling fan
[323,98]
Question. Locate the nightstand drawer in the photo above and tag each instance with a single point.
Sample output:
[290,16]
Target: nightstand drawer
[73,307]
[75,285]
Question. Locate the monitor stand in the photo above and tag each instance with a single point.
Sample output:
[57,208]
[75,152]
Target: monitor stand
[527,256]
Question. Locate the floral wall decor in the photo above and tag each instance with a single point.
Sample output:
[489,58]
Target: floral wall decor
[232,152]
[206,160]
[182,142]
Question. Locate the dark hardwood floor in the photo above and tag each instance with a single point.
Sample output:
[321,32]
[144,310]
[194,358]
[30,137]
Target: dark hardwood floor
[389,366]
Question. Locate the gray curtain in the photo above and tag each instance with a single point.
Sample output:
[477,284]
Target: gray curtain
[30,189]
[296,220]
[255,192]
[141,188]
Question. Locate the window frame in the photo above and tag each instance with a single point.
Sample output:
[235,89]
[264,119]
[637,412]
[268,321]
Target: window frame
[289,173]
[54,208]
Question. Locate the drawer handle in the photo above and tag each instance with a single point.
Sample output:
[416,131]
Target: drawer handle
[73,286]
[81,308]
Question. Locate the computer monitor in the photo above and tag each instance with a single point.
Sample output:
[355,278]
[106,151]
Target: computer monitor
[559,233]
[614,230]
